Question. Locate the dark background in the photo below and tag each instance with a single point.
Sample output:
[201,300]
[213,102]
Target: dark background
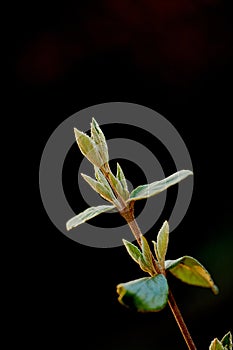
[176,58]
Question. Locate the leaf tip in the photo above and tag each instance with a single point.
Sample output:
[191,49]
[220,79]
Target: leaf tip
[189,172]
[215,289]
[77,132]
[68,227]
[93,120]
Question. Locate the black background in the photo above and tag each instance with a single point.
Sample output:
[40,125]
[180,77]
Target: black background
[176,58]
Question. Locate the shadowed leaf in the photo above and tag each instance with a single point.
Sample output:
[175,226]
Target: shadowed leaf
[145,294]
[227,341]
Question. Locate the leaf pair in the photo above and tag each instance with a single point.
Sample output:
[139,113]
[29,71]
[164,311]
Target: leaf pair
[186,268]
[144,257]
[224,344]
[94,148]
[103,187]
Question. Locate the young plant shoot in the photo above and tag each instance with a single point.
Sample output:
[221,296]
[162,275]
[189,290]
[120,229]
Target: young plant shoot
[152,293]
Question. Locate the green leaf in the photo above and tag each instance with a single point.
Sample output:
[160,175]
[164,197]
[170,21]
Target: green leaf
[190,271]
[227,341]
[100,188]
[121,177]
[87,215]
[99,139]
[146,262]
[162,242]
[102,179]
[155,249]
[88,148]
[117,185]
[149,190]
[148,294]
[216,345]
[133,250]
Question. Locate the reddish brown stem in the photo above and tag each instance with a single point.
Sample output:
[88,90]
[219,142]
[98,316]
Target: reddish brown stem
[180,321]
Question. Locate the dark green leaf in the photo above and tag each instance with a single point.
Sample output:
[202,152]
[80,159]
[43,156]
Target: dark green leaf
[87,215]
[190,271]
[145,294]
[227,341]
[149,190]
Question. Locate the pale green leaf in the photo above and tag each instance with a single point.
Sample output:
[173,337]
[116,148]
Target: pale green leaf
[149,190]
[99,188]
[99,139]
[121,177]
[162,242]
[146,262]
[133,250]
[155,249]
[227,341]
[190,271]
[88,148]
[87,215]
[117,185]
[102,179]
[216,345]
[149,294]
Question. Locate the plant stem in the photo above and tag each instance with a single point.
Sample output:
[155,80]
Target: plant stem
[171,300]
[180,321]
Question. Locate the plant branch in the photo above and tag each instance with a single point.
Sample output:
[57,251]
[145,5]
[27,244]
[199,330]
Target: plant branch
[171,300]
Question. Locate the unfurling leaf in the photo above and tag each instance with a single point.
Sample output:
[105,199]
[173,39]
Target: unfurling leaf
[99,139]
[216,345]
[145,261]
[149,190]
[190,271]
[100,188]
[87,215]
[227,341]
[162,242]
[133,251]
[121,177]
[88,148]
[144,258]
[117,185]
[155,249]
[101,178]
[148,294]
